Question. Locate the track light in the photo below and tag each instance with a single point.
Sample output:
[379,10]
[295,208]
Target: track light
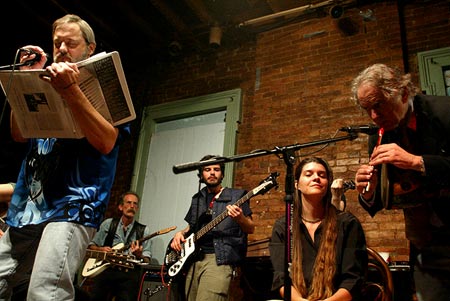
[336,11]
[367,15]
[175,48]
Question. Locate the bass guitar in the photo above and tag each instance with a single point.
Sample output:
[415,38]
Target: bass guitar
[98,261]
[175,260]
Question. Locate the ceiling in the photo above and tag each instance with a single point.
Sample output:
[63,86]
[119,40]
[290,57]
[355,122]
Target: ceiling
[148,30]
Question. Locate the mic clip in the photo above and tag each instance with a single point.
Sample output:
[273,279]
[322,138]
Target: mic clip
[368,129]
[29,52]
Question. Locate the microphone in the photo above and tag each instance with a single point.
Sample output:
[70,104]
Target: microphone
[186,167]
[29,52]
[197,165]
[368,129]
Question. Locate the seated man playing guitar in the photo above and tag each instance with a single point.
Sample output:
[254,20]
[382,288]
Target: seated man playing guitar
[219,251]
[121,235]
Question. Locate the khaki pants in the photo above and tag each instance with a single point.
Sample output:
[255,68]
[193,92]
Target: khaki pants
[207,281]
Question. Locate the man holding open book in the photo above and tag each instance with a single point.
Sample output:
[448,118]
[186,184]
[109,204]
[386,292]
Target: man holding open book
[64,184]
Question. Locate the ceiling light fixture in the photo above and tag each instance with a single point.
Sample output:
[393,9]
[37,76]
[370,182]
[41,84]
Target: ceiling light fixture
[175,48]
[368,15]
[336,11]
[215,36]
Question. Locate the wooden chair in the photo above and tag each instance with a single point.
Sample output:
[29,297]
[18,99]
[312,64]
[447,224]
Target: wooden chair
[382,289]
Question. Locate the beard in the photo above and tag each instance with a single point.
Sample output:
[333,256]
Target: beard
[66,57]
[213,183]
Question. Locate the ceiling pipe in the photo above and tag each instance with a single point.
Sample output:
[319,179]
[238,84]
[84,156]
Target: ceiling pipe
[200,10]
[401,19]
[292,11]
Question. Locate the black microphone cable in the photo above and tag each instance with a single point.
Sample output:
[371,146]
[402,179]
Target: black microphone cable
[29,52]
[34,60]
[8,86]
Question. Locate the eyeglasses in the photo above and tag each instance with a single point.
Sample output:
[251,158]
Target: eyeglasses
[70,43]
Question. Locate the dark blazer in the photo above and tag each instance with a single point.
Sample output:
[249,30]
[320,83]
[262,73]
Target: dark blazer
[432,141]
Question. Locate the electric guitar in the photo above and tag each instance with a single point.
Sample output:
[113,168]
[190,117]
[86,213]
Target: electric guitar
[98,261]
[175,260]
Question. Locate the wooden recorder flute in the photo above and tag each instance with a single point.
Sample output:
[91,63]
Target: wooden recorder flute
[380,136]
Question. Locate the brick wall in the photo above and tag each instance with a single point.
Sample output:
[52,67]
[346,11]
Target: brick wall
[303,95]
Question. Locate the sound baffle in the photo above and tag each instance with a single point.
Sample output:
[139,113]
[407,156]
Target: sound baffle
[152,288]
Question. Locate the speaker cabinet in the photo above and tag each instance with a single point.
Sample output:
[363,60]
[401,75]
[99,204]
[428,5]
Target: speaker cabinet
[152,288]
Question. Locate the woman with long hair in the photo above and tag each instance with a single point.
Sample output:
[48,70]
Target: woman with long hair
[329,256]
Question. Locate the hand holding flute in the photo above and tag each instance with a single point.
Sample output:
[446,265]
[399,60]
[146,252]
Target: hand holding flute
[365,177]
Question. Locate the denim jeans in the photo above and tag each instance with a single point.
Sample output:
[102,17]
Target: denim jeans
[57,256]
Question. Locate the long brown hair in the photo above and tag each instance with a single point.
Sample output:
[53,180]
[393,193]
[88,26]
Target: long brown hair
[325,265]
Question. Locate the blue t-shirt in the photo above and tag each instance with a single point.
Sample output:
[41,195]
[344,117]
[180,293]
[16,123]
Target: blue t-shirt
[64,180]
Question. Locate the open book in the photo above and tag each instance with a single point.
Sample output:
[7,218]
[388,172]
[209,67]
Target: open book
[41,112]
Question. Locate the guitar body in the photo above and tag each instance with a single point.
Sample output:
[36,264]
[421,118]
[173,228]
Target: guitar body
[96,265]
[99,261]
[92,267]
[176,260]
[401,188]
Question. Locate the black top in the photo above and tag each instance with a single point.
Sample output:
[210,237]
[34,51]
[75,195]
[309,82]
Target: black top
[206,244]
[351,255]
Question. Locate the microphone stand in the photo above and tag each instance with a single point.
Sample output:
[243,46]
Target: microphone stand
[27,63]
[185,167]
[289,159]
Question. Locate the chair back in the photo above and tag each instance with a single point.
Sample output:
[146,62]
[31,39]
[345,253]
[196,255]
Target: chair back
[383,288]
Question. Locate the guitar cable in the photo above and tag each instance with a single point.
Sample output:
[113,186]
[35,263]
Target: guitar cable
[157,289]
[141,285]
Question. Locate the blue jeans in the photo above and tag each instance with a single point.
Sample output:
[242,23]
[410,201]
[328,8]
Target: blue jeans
[53,260]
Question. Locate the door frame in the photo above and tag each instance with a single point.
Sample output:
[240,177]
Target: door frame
[230,101]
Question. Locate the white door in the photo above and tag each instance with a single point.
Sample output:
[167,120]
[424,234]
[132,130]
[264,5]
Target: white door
[170,139]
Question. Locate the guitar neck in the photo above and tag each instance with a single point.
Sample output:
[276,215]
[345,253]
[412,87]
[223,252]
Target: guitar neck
[127,246]
[101,255]
[147,237]
[218,219]
[114,258]
[141,240]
